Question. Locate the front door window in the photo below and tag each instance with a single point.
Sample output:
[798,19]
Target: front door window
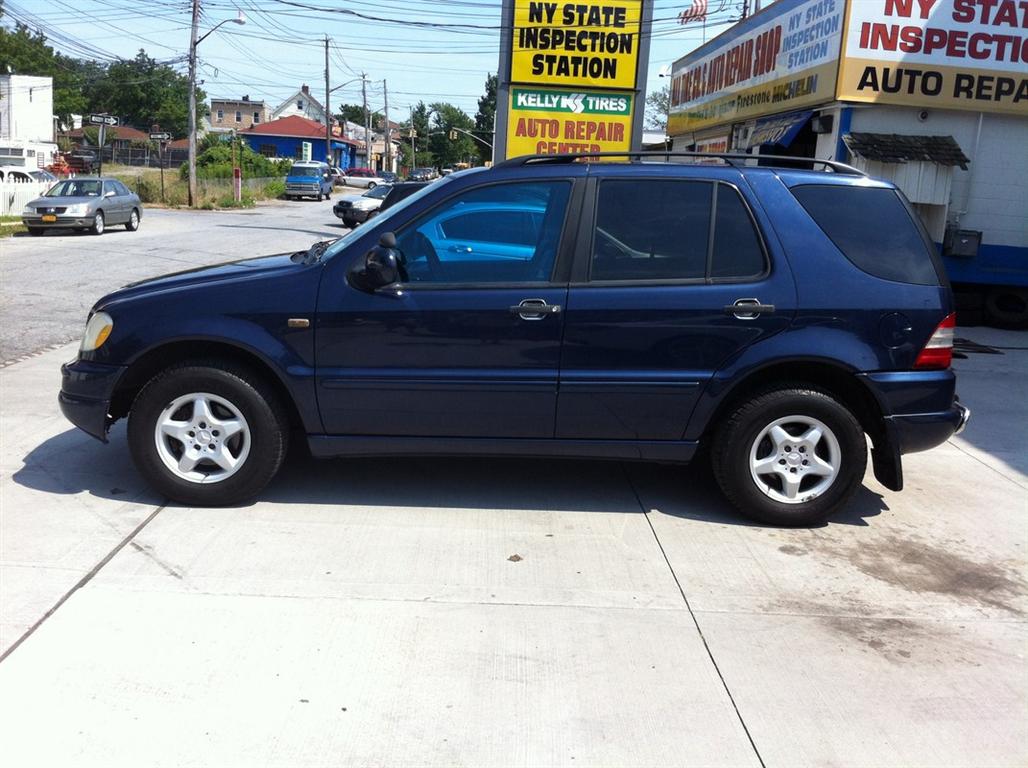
[503,233]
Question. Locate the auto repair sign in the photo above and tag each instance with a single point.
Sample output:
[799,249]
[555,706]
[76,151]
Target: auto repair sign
[584,44]
[957,54]
[780,59]
[547,121]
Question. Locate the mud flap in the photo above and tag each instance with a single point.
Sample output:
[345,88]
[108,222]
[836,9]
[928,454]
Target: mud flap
[886,459]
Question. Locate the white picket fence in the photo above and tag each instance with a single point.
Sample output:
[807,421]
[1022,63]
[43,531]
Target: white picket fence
[14,195]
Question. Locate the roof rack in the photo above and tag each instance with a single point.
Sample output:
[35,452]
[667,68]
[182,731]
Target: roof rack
[734,159]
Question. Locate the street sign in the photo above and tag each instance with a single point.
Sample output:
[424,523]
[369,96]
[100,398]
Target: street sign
[103,119]
[160,137]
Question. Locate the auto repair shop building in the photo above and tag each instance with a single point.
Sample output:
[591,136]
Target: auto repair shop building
[929,94]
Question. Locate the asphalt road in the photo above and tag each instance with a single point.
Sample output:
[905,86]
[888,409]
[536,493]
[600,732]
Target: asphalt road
[48,283]
[481,612]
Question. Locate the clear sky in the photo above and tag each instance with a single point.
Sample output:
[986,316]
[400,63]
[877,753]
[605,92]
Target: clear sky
[431,50]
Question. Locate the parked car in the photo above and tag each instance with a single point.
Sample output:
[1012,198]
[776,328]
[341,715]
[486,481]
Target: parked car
[445,171]
[41,174]
[363,177]
[81,161]
[397,192]
[550,307]
[311,179]
[422,174]
[84,205]
[338,176]
[356,209]
[388,177]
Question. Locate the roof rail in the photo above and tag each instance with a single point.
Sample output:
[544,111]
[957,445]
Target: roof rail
[734,159]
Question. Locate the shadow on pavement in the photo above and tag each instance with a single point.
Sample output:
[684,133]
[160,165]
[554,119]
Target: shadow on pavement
[316,233]
[72,462]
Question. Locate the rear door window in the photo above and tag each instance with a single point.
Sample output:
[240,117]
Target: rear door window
[873,228]
[661,230]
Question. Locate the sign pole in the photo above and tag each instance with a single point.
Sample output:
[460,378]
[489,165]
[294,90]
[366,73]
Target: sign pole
[160,161]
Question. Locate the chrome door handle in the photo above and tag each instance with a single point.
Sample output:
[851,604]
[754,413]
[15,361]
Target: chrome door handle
[459,249]
[534,309]
[749,309]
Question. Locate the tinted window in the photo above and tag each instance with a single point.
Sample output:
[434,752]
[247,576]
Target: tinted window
[737,251]
[651,230]
[496,234]
[873,228]
[519,227]
[120,188]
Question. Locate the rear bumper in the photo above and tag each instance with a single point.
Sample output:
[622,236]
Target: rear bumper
[86,392]
[923,431]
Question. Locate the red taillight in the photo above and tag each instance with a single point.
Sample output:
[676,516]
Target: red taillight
[938,352]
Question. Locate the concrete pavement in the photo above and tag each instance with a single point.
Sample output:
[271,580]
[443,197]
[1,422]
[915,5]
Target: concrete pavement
[481,612]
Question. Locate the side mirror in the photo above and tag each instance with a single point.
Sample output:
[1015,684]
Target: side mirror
[382,266]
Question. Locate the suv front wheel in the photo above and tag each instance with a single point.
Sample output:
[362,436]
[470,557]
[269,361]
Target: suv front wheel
[207,434]
[790,456]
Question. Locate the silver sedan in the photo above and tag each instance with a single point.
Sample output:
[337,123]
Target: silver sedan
[84,204]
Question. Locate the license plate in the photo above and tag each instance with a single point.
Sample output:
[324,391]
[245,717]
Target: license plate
[49,218]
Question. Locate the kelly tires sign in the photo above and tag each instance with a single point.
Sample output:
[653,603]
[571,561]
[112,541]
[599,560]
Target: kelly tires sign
[572,76]
[547,122]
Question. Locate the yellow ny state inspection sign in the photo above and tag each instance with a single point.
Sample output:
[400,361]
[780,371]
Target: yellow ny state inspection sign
[576,44]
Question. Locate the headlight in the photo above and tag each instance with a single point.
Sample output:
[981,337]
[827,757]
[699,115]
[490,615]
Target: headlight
[98,329]
[28,210]
[77,210]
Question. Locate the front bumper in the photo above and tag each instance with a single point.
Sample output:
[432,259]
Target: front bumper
[86,392]
[62,222]
[352,214]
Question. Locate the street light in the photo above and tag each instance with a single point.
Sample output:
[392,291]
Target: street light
[193,42]
[328,112]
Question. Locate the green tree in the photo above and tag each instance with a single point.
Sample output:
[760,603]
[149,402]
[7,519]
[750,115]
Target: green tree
[447,151]
[354,113]
[657,104]
[485,118]
[24,52]
[142,91]
[423,126]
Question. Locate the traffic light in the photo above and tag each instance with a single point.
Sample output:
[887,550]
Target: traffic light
[453,135]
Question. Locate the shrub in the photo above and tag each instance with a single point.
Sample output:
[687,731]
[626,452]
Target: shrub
[216,163]
[274,189]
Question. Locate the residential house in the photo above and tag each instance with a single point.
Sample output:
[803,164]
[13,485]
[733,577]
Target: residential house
[285,138]
[236,114]
[118,137]
[301,104]
[356,132]
[27,121]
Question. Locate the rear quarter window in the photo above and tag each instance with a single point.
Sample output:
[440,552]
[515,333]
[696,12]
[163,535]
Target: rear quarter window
[873,228]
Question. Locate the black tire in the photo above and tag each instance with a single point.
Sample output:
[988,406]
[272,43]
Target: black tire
[254,399]
[133,223]
[1007,307]
[349,223]
[371,185]
[733,441]
[36,231]
[99,224]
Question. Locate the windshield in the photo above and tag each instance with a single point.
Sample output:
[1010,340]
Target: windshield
[379,192]
[304,172]
[382,218]
[75,188]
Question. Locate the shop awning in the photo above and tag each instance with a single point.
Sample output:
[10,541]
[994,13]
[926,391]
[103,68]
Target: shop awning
[893,148]
[781,129]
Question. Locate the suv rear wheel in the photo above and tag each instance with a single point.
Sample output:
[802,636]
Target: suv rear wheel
[207,434]
[790,456]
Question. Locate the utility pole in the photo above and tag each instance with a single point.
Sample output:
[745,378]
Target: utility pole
[367,119]
[328,113]
[388,142]
[192,102]
[413,141]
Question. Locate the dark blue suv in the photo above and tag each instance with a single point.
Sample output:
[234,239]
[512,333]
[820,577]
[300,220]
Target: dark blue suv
[640,310]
